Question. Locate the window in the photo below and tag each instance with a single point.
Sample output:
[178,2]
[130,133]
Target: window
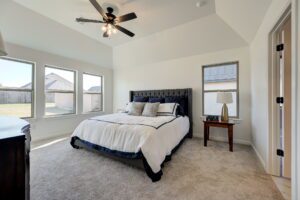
[60,93]
[220,78]
[16,88]
[92,93]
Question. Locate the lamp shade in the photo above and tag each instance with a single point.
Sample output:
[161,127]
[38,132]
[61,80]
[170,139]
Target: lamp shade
[2,49]
[224,97]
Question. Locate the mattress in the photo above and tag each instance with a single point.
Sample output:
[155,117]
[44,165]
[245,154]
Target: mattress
[128,136]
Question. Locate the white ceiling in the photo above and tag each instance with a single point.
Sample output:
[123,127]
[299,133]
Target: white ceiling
[174,27]
[206,35]
[21,26]
[244,16]
[153,15]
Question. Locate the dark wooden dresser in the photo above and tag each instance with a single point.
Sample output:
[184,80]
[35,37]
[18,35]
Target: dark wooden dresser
[14,159]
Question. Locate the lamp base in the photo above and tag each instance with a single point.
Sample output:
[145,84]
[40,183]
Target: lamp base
[224,113]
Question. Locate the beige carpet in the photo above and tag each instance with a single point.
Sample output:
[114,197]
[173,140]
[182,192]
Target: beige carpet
[59,172]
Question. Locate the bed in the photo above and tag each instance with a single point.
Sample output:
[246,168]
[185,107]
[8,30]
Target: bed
[144,142]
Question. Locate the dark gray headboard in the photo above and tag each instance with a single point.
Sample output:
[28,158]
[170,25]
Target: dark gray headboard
[188,93]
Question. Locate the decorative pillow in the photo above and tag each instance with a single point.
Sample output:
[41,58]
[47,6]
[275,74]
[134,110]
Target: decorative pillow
[140,99]
[128,105]
[136,108]
[182,101]
[167,109]
[150,109]
[156,99]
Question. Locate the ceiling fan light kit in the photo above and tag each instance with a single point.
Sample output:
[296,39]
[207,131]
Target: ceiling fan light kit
[110,21]
[109,29]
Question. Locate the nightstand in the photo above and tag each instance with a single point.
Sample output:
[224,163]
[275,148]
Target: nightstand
[229,125]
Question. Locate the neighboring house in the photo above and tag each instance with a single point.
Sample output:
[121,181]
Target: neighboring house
[54,82]
[96,89]
[220,78]
[92,99]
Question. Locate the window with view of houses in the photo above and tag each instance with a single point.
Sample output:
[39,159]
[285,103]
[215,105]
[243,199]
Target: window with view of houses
[60,93]
[220,78]
[16,88]
[92,93]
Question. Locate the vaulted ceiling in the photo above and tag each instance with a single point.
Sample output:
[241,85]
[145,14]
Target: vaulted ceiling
[153,16]
[24,27]
[243,16]
[34,23]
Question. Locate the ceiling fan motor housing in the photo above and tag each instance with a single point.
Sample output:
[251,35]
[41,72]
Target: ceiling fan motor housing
[110,10]
[114,5]
[110,17]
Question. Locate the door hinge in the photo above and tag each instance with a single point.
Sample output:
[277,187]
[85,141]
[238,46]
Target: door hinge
[280,47]
[279,100]
[280,152]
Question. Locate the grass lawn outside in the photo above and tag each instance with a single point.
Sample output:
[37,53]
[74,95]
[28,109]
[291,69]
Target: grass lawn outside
[24,110]
[16,110]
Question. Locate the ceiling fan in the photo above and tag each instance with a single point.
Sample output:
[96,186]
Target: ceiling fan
[110,21]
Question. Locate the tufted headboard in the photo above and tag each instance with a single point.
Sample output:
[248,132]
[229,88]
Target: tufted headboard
[187,93]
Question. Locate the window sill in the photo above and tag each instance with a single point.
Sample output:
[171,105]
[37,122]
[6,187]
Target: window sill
[59,117]
[72,115]
[93,112]
[235,119]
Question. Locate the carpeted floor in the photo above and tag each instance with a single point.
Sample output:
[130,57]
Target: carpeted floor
[59,172]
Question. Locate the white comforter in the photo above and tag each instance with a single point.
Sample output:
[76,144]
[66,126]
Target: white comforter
[154,136]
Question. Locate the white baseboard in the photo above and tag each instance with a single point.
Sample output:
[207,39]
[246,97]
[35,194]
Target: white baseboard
[224,139]
[262,162]
[236,141]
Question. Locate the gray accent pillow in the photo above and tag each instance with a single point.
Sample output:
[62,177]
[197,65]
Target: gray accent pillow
[136,108]
[150,109]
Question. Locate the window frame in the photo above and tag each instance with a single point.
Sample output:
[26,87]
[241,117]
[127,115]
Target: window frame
[32,90]
[74,92]
[237,90]
[83,93]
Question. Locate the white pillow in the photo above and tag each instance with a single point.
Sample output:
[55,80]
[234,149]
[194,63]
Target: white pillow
[125,109]
[167,109]
[128,106]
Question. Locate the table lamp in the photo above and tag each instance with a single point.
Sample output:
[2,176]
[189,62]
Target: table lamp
[2,49]
[224,98]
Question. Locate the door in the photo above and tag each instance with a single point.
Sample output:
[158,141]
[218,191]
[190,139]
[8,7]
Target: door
[284,101]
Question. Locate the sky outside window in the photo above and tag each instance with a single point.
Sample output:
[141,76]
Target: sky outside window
[90,81]
[14,74]
[68,75]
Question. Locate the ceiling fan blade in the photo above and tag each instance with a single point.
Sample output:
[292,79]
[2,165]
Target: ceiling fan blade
[105,34]
[88,20]
[126,17]
[99,8]
[124,30]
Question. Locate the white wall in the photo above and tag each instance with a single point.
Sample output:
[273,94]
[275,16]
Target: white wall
[185,72]
[42,127]
[259,79]
[201,36]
